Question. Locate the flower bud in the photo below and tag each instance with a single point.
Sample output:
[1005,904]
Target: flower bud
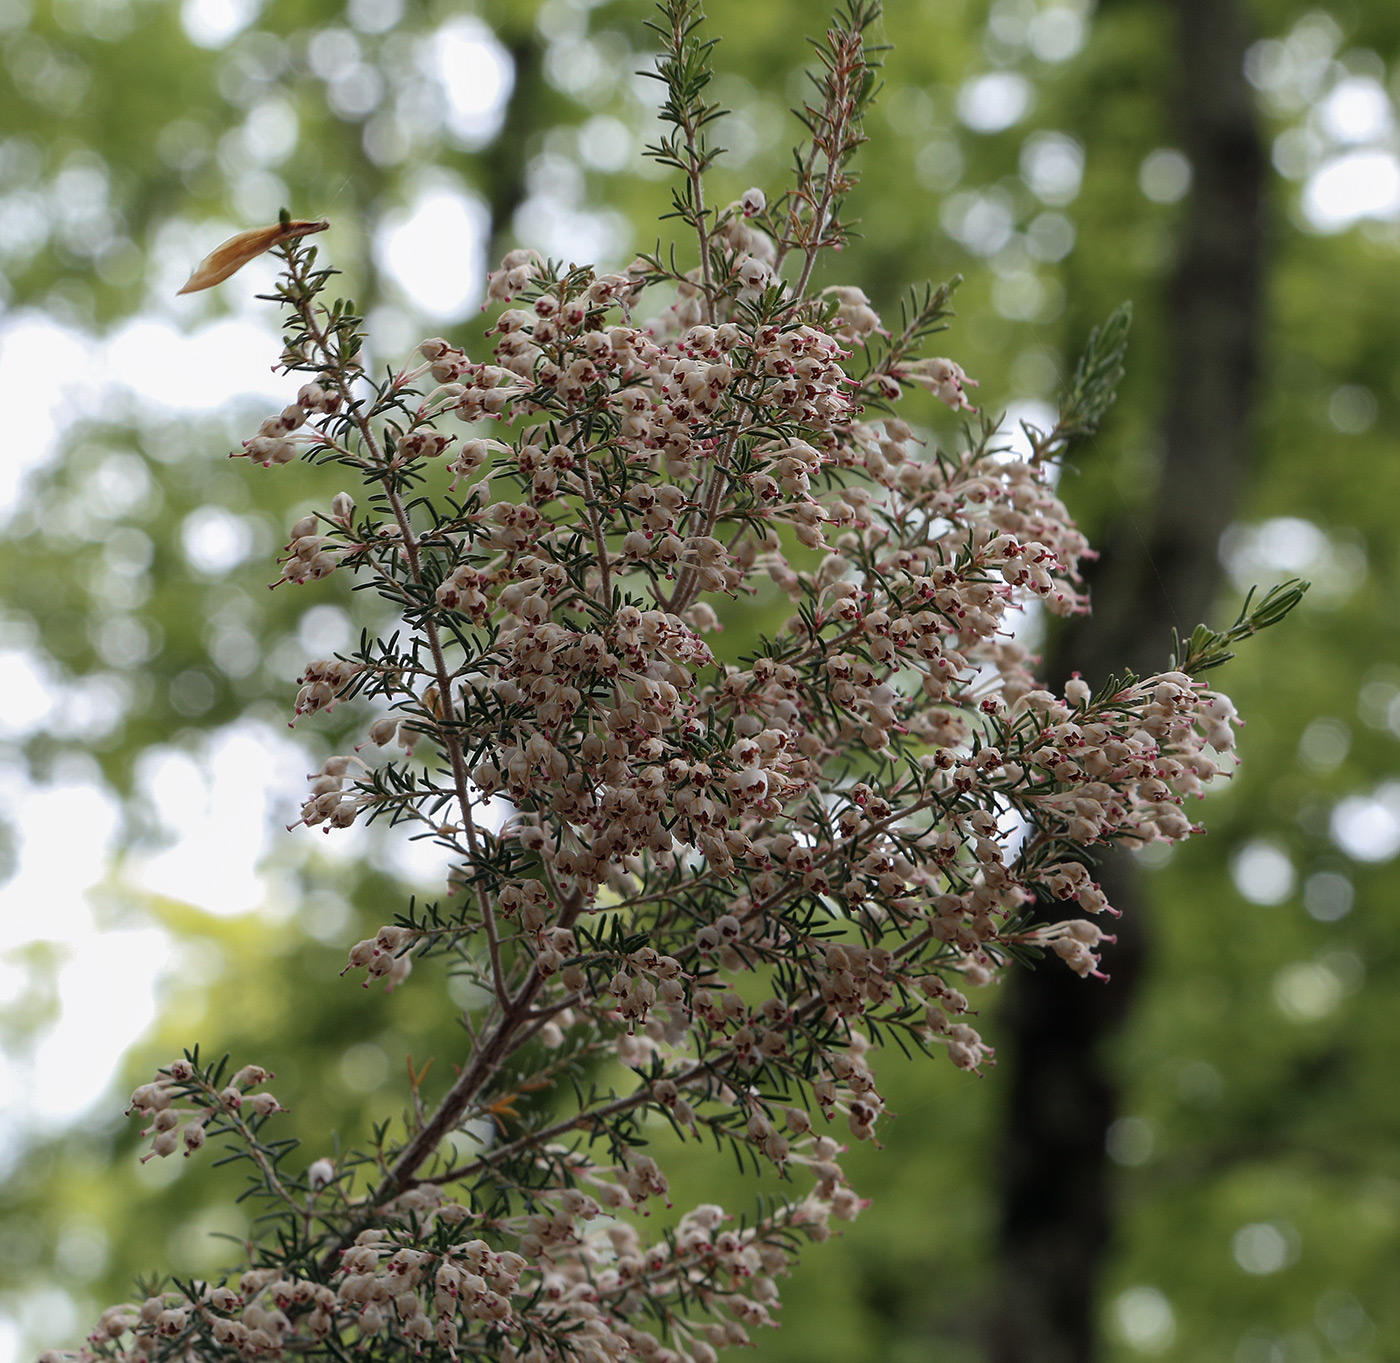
[165,1143]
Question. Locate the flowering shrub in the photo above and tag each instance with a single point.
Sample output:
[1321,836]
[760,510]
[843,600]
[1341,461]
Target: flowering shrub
[728,883]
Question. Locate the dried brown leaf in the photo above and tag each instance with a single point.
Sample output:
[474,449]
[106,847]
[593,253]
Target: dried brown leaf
[237,251]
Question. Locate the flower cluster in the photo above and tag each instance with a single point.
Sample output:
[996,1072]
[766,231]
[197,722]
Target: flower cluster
[181,1101]
[391,1286]
[734,875]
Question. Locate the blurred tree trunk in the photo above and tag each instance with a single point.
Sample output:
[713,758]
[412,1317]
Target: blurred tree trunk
[1056,1185]
[505,160]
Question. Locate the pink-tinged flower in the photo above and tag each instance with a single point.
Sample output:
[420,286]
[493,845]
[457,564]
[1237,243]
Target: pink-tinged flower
[944,378]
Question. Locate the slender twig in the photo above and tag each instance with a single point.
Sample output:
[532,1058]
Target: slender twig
[452,745]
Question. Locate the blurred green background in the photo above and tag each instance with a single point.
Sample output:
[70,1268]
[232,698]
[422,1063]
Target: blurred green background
[151,898]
